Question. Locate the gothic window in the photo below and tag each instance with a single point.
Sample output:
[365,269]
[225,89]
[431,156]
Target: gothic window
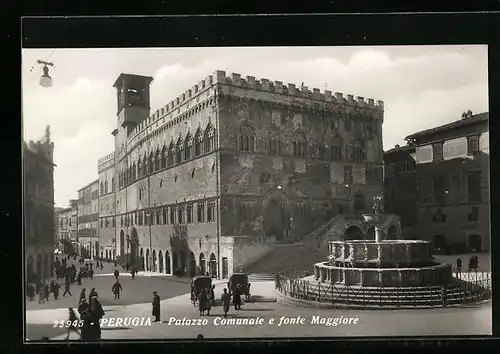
[188,147]
[139,169]
[106,187]
[164,157]
[274,146]
[211,212]
[180,215]
[113,184]
[102,188]
[164,211]
[300,147]
[144,166]
[134,172]
[209,139]
[201,212]
[348,174]
[157,160]
[189,213]
[246,138]
[198,140]
[151,162]
[336,152]
[171,153]
[179,149]
[158,217]
[141,216]
[172,215]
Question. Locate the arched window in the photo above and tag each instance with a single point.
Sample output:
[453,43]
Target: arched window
[157,160]
[198,139]
[171,154]
[151,162]
[300,146]
[164,157]
[102,188]
[179,149]
[275,144]
[188,146]
[246,138]
[209,139]
[144,165]
[139,168]
[106,187]
[134,172]
[113,184]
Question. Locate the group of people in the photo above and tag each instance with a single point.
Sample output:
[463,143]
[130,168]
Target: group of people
[43,290]
[206,299]
[91,313]
[473,264]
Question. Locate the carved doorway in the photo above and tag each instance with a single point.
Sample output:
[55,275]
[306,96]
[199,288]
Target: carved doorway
[277,220]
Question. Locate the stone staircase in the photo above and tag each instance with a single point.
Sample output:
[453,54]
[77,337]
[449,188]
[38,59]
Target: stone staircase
[284,257]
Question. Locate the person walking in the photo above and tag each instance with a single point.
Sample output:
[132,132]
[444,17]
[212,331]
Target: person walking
[209,301]
[46,291]
[83,306]
[202,302]
[67,288]
[73,323]
[82,295]
[92,294]
[91,272]
[55,291]
[116,289]
[237,298]
[225,300]
[79,277]
[31,292]
[156,307]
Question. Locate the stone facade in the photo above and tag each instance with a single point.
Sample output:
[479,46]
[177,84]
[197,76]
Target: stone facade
[208,182]
[67,224]
[452,177]
[88,212]
[38,196]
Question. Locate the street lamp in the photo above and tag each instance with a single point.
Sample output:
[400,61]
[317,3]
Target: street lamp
[45,79]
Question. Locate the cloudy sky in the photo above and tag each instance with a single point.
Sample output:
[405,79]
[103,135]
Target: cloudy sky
[422,86]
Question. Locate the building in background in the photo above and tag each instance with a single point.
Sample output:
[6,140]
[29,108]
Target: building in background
[38,198]
[230,166]
[452,174]
[107,208]
[88,216]
[67,227]
[400,188]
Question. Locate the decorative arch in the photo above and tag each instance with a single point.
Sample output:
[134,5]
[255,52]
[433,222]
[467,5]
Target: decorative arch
[171,154]
[246,137]
[147,260]
[275,142]
[300,144]
[160,261]
[157,160]
[179,148]
[213,266]
[164,155]
[188,146]
[168,268]
[203,268]
[370,232]
[198,142]
[154,260]
[353,232]
[209,138]
[151,162]
[276,215]
[145,164]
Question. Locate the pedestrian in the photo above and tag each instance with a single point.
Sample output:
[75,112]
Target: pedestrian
[67,288]
[116,273]
[115,263]
[101,265]
[92,294]
[156,307]
[209,301]
[73,323]
[79,278]
[56,290]
[83,306]
[132,272]
[225,300]
[116,289]
[459,266]
[91,272]
[41,297]
[202,302]
[237,297]
[46,291]
[31,292]
[82,295]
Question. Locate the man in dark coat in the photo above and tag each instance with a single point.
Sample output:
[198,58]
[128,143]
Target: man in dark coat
[31,292]
[82,295]
[225,299]
[156,307]
[46,291]
[56,290]
[67,288]
[79,278]
[117,288]
[83,306]
[459,266]
[237,298]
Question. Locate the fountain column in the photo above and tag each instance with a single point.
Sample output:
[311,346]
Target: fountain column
[377,208]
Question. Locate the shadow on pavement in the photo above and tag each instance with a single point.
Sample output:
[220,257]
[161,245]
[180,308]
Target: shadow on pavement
[259,298]
[256,309]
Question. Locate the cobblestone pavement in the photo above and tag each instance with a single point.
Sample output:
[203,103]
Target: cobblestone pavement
[471,320]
